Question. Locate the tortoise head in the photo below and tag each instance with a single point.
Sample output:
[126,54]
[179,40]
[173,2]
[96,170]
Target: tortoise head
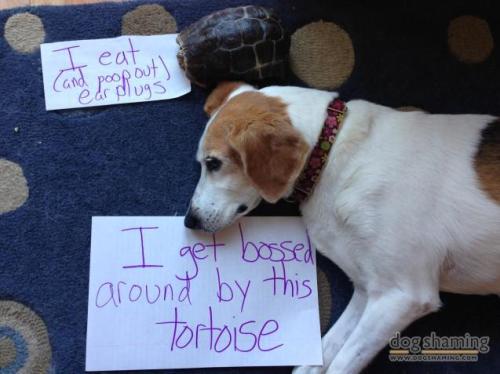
[248,152]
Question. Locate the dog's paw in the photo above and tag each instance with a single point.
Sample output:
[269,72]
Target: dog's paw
[308,370]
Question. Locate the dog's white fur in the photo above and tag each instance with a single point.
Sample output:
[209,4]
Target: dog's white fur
[398,207]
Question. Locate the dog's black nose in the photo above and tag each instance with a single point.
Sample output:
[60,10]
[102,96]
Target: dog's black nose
[241,209]
[191,221]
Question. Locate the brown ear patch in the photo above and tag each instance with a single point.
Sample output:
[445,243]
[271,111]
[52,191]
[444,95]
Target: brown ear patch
[219,95]
[487,160]
[272,153]
[255,132]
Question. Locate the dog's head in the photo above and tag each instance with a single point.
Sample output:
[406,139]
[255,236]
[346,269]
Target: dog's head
[248,152]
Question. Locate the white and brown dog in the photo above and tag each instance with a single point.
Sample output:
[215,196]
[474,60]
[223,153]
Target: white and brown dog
[408,203]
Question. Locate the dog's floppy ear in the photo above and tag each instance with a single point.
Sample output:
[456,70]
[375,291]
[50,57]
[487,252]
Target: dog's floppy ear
[273,154]
[219,95]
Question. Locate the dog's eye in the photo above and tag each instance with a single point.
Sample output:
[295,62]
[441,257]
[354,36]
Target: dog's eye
[213,164]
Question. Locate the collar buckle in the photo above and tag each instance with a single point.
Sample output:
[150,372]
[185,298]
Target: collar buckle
[343,111]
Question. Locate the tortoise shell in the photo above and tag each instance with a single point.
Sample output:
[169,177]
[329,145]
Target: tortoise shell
[245,43]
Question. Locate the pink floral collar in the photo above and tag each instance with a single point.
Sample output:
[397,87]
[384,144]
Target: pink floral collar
[312,171]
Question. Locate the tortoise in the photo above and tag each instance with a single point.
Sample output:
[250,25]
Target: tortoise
[242,43]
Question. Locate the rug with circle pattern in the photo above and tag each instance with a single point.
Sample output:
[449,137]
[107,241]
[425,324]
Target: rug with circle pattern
[58,169]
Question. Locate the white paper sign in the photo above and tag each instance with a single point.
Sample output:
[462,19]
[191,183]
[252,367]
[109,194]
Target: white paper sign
[162,296]
[127,69]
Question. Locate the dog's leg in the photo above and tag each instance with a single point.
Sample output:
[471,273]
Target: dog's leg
[384,315]
[335,338]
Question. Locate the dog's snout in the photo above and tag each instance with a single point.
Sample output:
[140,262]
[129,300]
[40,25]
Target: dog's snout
[192,221]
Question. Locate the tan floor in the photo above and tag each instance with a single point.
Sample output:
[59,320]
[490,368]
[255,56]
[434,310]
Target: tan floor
[7,4]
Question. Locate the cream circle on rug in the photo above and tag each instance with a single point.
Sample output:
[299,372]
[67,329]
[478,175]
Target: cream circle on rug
[24,32]
[13,186]
[23,331]
[470,39]
[325,301]
[322,55]
[8,352]
[149,19]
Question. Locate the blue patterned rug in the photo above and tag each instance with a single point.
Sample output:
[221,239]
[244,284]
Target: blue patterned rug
[57,169]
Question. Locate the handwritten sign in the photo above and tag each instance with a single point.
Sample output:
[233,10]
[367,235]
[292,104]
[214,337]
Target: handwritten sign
[121,70]
[162,296]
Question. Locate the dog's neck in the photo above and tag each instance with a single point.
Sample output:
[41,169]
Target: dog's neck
[306,108]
